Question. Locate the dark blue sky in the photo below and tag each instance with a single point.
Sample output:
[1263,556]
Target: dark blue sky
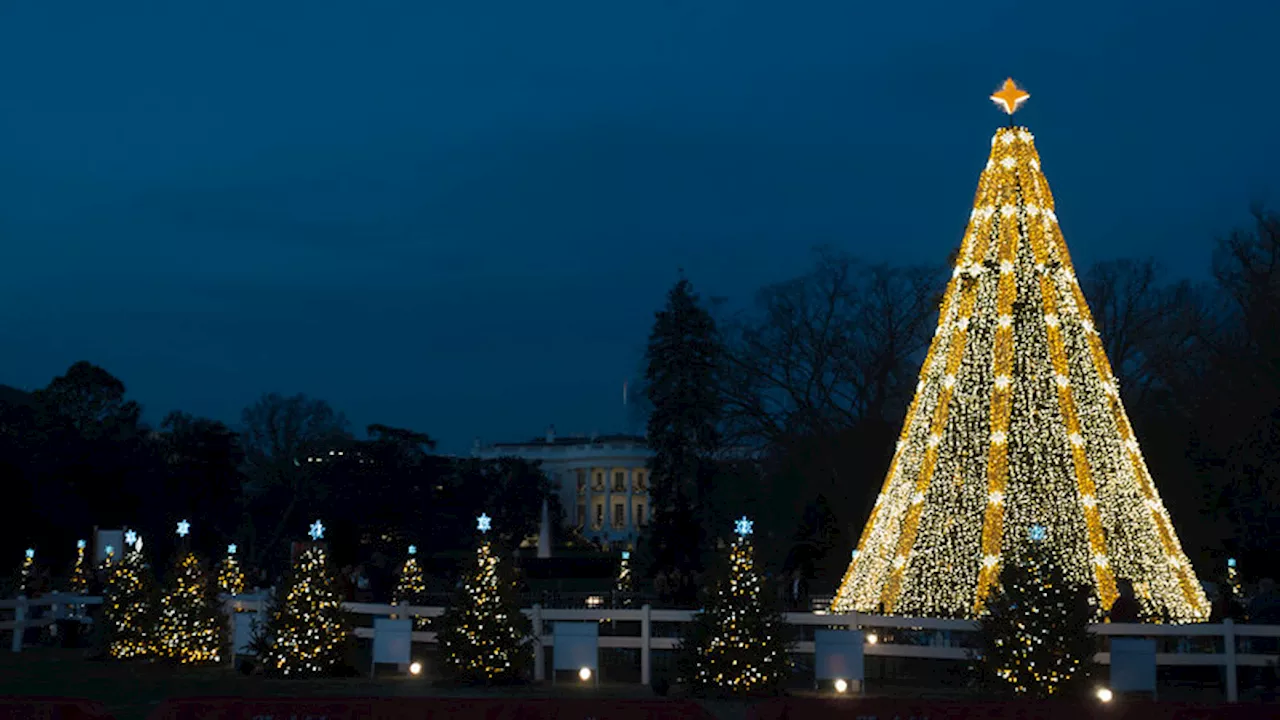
[461,220]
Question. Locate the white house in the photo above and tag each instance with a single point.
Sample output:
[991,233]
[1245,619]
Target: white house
[602,480]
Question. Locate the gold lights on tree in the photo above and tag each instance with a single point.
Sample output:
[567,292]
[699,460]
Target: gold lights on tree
[1016,422]
[230,574]
[306,631]
[128,608]
[190,626]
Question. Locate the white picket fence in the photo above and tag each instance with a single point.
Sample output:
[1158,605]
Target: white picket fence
[898,637]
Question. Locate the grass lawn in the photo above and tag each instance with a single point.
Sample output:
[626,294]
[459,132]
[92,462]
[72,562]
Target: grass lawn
[131,690]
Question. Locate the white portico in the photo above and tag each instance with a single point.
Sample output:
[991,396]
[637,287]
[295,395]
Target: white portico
[602,480]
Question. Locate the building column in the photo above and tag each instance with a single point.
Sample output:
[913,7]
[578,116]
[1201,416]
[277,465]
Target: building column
[631,484]
[607,526]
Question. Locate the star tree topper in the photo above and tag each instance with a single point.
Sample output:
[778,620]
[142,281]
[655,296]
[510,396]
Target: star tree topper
[413,549]
[1010,97]
[743,526]
[80,544]
[231,549]
[317,530]
[184,528]
[130,538]
[31,553]
[483,522]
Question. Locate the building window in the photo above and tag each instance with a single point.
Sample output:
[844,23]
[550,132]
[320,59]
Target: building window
[582,481]
[582,515]
[599,517]
[641,485]
[620,481]
[619,519]
[597,481]
[640,515]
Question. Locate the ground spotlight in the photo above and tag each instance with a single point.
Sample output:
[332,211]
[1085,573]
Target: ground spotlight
[415,668]
[842,686]
[584,674]
[1105,695]
[872,638]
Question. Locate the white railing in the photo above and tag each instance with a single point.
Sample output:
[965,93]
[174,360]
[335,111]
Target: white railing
[923,638]
[61,606]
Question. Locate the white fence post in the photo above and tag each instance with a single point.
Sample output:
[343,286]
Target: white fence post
[645,633]
[1229,649]
[539,657]
[19,622]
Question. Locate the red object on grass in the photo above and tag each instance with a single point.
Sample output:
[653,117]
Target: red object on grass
[47,708]
[426,708]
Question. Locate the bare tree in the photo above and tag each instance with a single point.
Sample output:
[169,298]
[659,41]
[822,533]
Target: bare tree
[278,437]
[826,350]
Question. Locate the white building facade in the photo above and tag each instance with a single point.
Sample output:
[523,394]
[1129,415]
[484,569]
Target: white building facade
[602,481]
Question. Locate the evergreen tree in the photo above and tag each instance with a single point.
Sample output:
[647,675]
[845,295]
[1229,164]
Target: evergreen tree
[682,359]
[78,580]
[411,587]
[230,574]
[27,573]
[483,634]
[129,605]
[190,627]
[738,643]
[1035,633]
[306,632]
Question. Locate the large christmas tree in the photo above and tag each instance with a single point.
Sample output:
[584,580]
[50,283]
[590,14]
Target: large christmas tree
[129,604]
[1016,421]
[1035,628]
[306,632]
[738,643]
[483,634]
[190,625]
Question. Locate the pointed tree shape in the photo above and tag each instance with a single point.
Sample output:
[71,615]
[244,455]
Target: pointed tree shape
[190,625]
[1035,628]
[129,608]
[306,632]
[411,587]
[27,572]
[1016,421]
[738,643]
[230,574]
[482,635]
[78,580]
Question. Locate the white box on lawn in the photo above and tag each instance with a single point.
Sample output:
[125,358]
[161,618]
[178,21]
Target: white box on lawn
[245,625]
[577,646]
[838,655]
[1133,665]
[392,641]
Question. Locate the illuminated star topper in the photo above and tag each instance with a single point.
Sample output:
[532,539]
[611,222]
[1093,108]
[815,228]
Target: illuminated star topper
[31,553]
[483,522]
[109,550]
[743,526]
[184,528]
[1010,97]
[317,530]
[231,549]
[626,554]
[1038,533]
[80,544]
[413,549]
[130,537]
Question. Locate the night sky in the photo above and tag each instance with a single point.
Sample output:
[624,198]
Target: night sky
[460,216]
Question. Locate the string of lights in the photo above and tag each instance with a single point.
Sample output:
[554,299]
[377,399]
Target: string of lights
[190,626]
[306,630]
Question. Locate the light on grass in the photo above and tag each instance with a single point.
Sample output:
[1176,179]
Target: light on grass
[584,674]
[415,668]
[1105,695]
[842,686]
[872,638]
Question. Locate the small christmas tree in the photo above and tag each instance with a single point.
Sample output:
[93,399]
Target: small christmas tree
[78,580]
[626,582]
[306,632]
[230,575]
[411,587]
[1035,633]
[482,635]
[738,643]
[190,626]
[128,604]
[27,573]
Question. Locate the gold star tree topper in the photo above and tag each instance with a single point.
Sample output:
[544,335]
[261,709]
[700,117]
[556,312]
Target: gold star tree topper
[1010,97]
